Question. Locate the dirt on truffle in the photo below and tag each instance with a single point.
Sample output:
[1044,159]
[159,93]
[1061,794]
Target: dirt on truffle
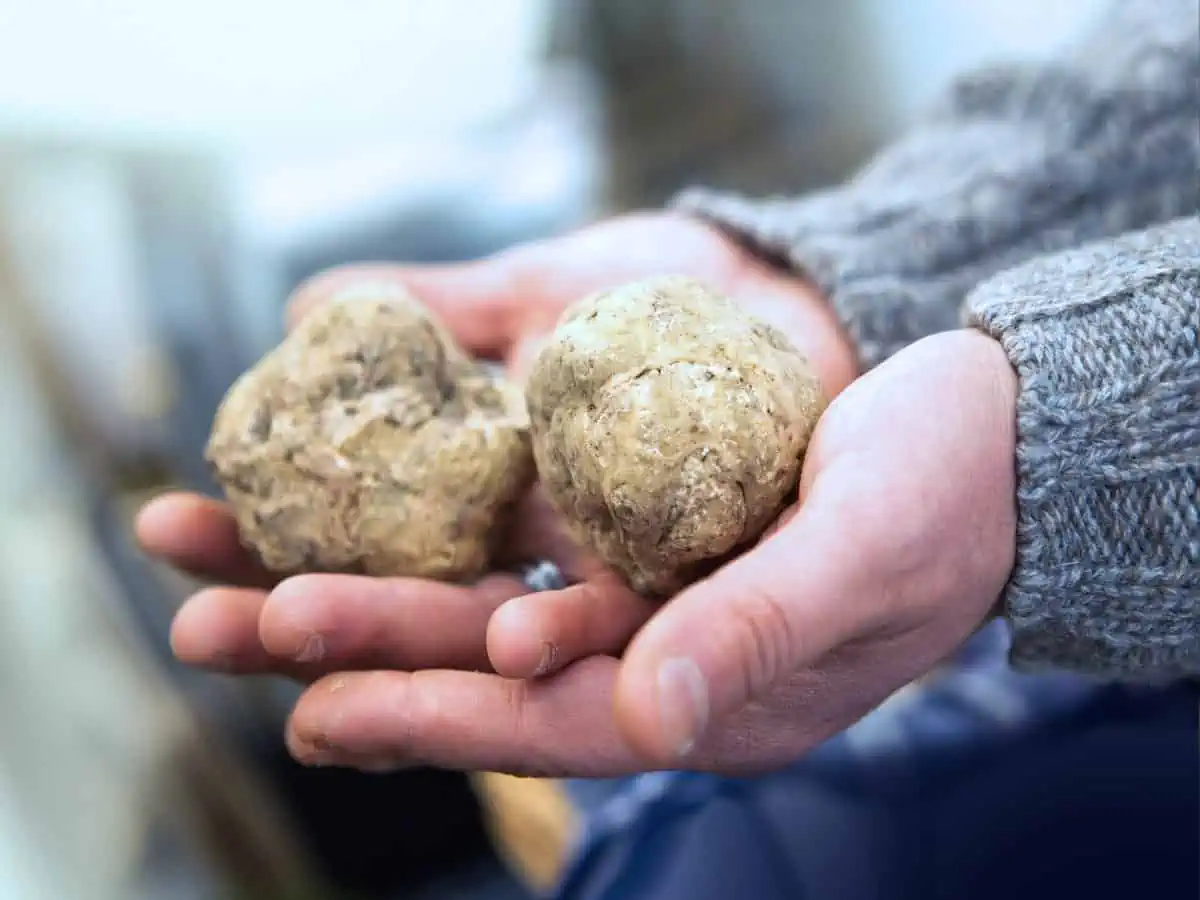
[368,441]
[669,427]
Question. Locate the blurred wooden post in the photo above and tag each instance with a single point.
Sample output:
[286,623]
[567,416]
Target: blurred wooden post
[532,823]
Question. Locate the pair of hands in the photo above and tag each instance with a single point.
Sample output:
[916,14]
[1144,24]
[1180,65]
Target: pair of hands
[899,544]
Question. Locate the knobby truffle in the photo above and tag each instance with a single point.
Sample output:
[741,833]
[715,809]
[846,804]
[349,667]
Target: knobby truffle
[669,426]
[368,441]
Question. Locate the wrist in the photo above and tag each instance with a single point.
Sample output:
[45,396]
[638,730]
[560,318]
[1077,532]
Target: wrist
[987,353]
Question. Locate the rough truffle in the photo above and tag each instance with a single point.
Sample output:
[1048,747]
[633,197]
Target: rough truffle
[368,441]
[669,427]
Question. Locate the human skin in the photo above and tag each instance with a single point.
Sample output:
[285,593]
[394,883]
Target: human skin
[898,547]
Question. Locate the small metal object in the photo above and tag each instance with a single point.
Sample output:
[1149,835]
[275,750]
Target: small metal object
[543,576]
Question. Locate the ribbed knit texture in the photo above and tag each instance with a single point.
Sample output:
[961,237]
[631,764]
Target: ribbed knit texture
[1018,164]
[1106,343]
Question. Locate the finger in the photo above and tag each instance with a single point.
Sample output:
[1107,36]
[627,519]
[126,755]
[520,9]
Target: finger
[337,622]
[720,643]
[315,624]
[541,633]
[199,536]
[473,300]
[217,629]
[465,720]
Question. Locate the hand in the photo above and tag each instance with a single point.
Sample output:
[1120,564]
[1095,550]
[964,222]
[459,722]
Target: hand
[500,308]
[897,551]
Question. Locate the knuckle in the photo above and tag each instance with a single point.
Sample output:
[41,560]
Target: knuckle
[521,756]
[901,557]
[766,640]
[515,696]
[408,720]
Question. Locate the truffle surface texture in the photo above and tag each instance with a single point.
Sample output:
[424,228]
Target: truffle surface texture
[669,427]
[369,442]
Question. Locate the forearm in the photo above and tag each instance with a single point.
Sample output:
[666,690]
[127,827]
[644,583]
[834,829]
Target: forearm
[1020,162]
[1105,341]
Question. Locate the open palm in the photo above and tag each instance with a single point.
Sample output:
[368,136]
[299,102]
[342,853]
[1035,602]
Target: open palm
[500,308]
[896,551]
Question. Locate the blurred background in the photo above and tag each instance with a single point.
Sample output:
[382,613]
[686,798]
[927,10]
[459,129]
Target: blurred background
[168,172]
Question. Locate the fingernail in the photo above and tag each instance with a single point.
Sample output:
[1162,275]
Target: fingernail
[313,649]
[682,704]
[549,655]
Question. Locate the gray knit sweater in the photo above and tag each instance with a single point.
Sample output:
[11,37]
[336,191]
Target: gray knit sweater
[1059,202]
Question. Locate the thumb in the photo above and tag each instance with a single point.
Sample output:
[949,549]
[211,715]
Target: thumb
[474,300]
[725,640]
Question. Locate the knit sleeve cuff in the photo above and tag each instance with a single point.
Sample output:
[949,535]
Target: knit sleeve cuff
[1106,343]
[862,264]
[1016,162]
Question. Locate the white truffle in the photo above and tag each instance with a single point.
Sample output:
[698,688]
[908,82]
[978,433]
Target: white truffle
[368,441]
[669,427]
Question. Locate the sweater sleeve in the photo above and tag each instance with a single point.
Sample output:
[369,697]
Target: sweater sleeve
[1105,340]
[1017,162]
